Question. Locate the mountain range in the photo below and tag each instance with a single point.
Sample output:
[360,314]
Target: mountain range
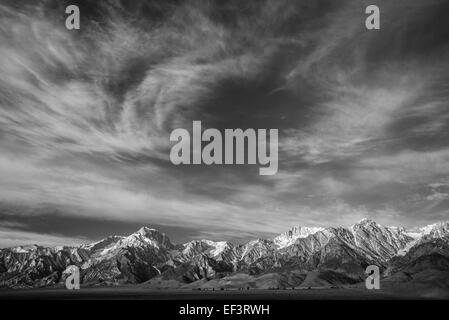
[300,257]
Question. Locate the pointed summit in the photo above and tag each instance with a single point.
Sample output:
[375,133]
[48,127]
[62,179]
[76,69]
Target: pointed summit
[146,236]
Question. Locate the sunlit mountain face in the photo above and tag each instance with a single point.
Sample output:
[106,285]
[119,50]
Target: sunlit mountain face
[86,117]
[413,263]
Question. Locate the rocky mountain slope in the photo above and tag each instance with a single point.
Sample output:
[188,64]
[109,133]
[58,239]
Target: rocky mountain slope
[301,256]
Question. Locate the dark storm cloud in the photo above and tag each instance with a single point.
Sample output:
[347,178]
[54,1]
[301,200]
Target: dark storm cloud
[85,116]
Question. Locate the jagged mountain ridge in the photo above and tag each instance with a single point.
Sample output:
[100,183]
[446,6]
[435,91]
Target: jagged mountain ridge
[148,254]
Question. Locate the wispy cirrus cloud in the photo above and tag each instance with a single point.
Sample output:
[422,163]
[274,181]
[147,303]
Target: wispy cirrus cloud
[85,116]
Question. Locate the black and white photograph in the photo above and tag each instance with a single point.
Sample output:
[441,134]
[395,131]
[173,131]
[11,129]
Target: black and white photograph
[224,150]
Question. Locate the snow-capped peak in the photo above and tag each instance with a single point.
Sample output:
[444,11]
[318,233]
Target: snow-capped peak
[436,230]
[288,238]
[144,236]
[218,246]
[365,222]
[146,231]
[141,238]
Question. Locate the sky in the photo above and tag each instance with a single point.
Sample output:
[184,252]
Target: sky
[86,116]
